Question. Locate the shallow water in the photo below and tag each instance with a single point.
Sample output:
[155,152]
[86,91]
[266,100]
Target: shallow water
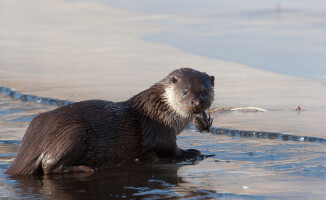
[243,166]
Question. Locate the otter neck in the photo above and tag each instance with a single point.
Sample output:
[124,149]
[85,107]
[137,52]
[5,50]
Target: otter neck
[153,104]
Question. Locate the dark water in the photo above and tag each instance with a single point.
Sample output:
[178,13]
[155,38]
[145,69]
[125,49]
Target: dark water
[245,165]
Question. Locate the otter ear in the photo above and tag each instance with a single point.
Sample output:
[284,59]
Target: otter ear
[174,79]
[212,80]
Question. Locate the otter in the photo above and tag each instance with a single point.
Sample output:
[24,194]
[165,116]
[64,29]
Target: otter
[96,134]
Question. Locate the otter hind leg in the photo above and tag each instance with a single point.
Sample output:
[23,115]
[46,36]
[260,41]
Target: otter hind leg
[64,154]
[54,168]
[64,160]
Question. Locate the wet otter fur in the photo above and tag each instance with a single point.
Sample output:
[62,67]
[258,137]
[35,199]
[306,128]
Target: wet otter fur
[96,134]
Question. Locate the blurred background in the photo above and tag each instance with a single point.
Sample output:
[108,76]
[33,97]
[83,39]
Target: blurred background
[286,37]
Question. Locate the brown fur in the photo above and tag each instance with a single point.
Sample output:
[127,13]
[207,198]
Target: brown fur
[98,134]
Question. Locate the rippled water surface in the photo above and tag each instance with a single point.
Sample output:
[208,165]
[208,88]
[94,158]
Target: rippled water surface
[241,166]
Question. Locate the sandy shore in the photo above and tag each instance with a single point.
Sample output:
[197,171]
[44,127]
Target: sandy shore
[82,50]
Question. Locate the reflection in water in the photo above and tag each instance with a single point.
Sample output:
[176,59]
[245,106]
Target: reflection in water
[124,182]
[149,181]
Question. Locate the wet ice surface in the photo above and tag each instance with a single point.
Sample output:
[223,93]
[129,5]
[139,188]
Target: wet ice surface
[261,167]
[243,167]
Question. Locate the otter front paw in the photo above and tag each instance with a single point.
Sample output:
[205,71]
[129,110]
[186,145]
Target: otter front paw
[202,123]
[189,153]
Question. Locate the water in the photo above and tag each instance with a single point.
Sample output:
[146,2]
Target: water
[244,166]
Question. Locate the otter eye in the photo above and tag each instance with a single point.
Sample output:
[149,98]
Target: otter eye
[184,92]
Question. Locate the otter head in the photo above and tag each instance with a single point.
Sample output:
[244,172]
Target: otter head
[189,91]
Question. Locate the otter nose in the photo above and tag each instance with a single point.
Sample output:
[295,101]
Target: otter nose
[195,102]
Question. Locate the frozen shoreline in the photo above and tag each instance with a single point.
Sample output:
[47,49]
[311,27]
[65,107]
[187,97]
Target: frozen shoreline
[214,130]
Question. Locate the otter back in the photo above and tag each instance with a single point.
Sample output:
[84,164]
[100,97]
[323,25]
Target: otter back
[91,133]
